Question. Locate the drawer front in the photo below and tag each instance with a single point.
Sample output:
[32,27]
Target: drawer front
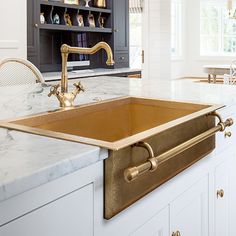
[121,59]
[71,215]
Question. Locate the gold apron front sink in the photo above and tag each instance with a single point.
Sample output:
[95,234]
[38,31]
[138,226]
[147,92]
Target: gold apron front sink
[112,124]
[118,124]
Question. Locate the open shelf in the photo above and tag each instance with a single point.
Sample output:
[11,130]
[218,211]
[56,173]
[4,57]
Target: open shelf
[75,28]
[72,6]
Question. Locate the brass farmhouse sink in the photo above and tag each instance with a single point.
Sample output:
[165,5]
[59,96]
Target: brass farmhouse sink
[112,124]
[149,140]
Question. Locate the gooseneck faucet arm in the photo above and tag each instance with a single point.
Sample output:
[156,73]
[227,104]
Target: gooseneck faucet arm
[67,99]
[66,50]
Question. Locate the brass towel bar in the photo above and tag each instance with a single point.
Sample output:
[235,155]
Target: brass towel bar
[152,163]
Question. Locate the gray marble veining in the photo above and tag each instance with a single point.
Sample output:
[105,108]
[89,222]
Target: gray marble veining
[27,161]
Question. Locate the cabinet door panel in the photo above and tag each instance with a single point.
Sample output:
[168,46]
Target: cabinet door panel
[189,212]
[32,31]
[232,196]
[156,226]
[121,25]
[70,215]
[225,207]
[222,202]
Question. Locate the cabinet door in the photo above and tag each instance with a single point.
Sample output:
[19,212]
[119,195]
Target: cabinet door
[33,31]
[156,226]
[189,212]
[121,25]
[69,215]
[222,200]
[225,207]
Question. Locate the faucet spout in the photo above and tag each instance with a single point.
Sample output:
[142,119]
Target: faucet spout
[65,98]
[66,50]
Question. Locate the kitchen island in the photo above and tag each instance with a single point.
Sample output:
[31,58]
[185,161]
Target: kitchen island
[39,175]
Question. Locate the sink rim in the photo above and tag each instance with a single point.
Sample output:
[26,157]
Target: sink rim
[113,145]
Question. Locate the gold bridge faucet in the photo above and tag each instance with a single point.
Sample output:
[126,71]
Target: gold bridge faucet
[65,98]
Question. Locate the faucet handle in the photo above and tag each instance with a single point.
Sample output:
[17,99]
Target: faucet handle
[53,90]
[79,87]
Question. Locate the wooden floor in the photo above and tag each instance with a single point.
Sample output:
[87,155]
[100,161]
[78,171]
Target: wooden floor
[201,79]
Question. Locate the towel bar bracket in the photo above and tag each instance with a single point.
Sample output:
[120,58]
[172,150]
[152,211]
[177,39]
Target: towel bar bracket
[152,163]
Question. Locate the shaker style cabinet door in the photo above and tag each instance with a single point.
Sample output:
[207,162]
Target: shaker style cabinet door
[121,33]
[121,24]
[225,195]
[70,215]
[189,212]
[33,31]
[156,226]
[222,199]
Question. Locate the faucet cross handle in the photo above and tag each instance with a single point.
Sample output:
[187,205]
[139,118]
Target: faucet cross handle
[79,87]
[54,90]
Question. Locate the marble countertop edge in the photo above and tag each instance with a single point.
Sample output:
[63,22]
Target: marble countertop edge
[51,172]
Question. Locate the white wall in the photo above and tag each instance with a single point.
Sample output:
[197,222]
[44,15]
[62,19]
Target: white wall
[178,65]
[157,39]
[13,34]
[165,39]
[192,63]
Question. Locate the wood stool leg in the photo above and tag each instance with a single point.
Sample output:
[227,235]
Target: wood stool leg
[214,79]
[209,78]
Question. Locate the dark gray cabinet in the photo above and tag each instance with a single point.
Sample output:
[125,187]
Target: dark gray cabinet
[33,31]
[44,40]
[121,25]
[121,32]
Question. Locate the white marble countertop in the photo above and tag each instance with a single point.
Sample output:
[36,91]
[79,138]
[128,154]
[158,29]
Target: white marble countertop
[217,66]
[27,161]
[53,76]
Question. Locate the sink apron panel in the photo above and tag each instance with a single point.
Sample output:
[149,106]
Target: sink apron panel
[120,194]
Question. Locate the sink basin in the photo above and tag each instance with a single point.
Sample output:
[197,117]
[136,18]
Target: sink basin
[118,124]
[112,124]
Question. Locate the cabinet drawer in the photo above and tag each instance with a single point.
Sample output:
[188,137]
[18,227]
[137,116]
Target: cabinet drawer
[71,215]
[189,212]
[157,225]
[121,57]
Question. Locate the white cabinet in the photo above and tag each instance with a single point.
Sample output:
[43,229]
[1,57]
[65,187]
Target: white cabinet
[224,202]
[156,226]
[222,199]
[71,215]
[189,212]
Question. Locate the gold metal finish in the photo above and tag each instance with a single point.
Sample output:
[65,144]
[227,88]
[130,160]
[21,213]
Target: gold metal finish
[133,173]
[228,134]
[155,125]
[67,99]
[177,233]
[100,3]
[119,194]
[218,116]
[66,50]
[220,193]
[112,124]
